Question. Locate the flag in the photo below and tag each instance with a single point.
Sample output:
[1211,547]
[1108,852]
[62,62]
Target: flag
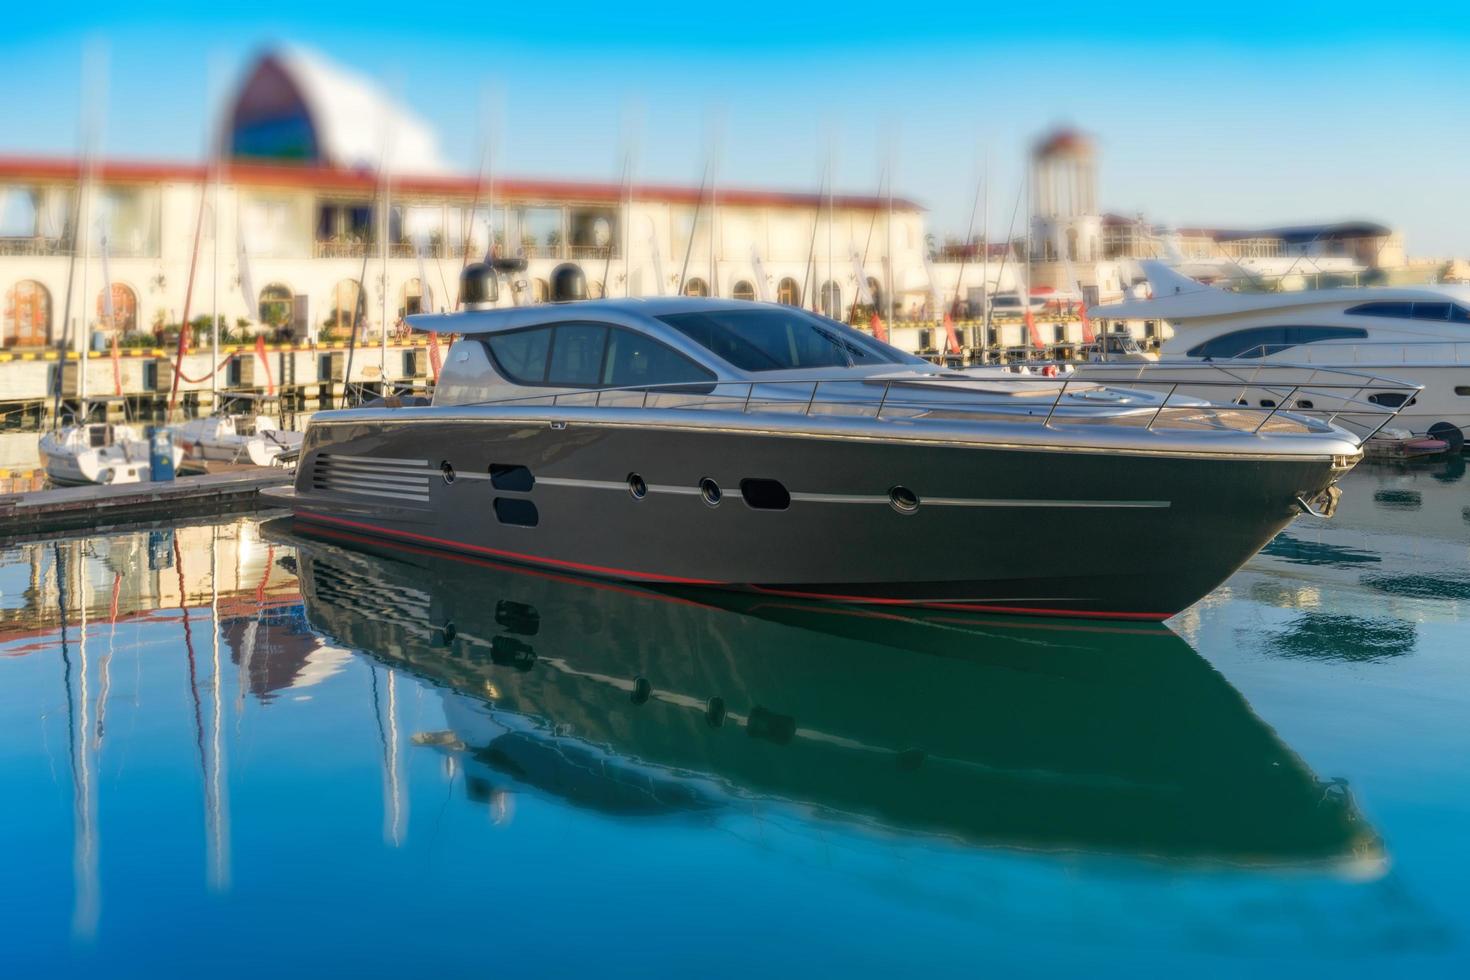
[107,309]
[949,330]
[436,360]
[116,365]
[865,295]
[760,276]
[1087,334]
[242,259]
[265,362]
[878,330]
[1031,323]
[424,307]
[658,262]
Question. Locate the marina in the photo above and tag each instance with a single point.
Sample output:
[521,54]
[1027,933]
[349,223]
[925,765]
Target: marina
[205,718]
[736,493]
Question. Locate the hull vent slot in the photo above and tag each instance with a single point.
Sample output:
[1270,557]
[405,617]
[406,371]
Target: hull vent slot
[393,479]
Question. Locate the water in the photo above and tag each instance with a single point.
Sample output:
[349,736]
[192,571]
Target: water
[224,749]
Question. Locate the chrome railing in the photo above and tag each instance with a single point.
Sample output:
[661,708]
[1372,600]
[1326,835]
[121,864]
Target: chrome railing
[1181,398]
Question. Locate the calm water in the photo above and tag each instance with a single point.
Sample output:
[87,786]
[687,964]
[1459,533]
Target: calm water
[225,749]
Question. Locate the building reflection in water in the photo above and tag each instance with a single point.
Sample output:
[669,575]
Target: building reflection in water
[1026,734]
[78,592]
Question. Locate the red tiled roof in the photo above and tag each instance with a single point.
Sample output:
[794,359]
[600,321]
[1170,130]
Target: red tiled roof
[327,178]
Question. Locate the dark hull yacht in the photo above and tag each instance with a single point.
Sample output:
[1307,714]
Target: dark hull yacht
[697,442]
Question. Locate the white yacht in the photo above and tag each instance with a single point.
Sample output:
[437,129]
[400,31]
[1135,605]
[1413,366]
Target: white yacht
[99,452]
[236,438]
[1417,334]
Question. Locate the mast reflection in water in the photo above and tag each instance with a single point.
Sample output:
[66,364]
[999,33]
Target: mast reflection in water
[1022,734]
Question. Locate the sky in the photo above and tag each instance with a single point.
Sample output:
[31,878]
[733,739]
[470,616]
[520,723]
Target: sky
[1229,115]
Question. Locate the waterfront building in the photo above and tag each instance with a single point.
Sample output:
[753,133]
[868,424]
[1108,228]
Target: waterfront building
[300,216]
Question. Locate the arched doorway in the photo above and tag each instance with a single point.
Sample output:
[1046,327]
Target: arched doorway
[788,292]
[415,297]
[696,287]
[27,315]
[832,300]
[275,307]
[124,317]
[744,290]
[346,308]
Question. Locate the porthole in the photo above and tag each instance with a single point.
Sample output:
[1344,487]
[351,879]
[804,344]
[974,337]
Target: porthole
[765,494]
[904,500]
[516,511]
[512,477]
[710,491]
[714,712]
[637,487]
[508,652]
[447,471]
[1267,403]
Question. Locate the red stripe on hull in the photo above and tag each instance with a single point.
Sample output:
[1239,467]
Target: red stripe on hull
[512,555]
[679,580]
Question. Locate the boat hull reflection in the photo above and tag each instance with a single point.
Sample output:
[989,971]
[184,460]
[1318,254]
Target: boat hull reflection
[1036,735]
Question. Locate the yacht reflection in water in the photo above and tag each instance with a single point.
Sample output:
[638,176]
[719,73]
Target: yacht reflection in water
[1032,735]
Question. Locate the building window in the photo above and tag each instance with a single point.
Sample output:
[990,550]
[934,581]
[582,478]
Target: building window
[788,292]
[415,297]
[27,315]
[743,290]
[346,307]
[275,306]
[832,300]
[696,287]
[124,318]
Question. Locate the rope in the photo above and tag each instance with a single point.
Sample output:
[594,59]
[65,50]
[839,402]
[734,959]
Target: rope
[179,373]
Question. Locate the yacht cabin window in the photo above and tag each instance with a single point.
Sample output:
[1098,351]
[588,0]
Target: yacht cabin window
[1265,341]
[782,340]
[1453,312]
[589,355]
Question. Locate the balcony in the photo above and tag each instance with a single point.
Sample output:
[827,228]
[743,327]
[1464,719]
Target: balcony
[38,245]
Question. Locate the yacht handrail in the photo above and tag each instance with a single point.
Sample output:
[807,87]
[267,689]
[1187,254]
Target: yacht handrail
[1050,408]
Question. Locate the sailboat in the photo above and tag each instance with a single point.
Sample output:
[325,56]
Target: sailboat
[98,452]
[236,437]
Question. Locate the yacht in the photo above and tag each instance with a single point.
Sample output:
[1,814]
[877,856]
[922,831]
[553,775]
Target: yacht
[98,452]
[1415,334]
[236,437]
[760,447]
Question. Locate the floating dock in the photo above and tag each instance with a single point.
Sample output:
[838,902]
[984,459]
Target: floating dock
[100,508]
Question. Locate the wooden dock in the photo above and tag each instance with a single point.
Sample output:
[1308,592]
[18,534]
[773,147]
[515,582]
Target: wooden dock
[101,508]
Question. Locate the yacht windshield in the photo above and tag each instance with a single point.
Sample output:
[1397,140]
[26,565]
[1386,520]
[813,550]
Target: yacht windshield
[764,339]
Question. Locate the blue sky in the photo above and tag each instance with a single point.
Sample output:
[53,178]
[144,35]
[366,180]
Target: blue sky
[1218,114]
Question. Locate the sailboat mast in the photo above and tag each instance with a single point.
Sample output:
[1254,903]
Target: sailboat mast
[985,246]
[387,234]
[889,270]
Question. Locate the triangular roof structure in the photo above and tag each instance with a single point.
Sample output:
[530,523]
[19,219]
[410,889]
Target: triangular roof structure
[295,106]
